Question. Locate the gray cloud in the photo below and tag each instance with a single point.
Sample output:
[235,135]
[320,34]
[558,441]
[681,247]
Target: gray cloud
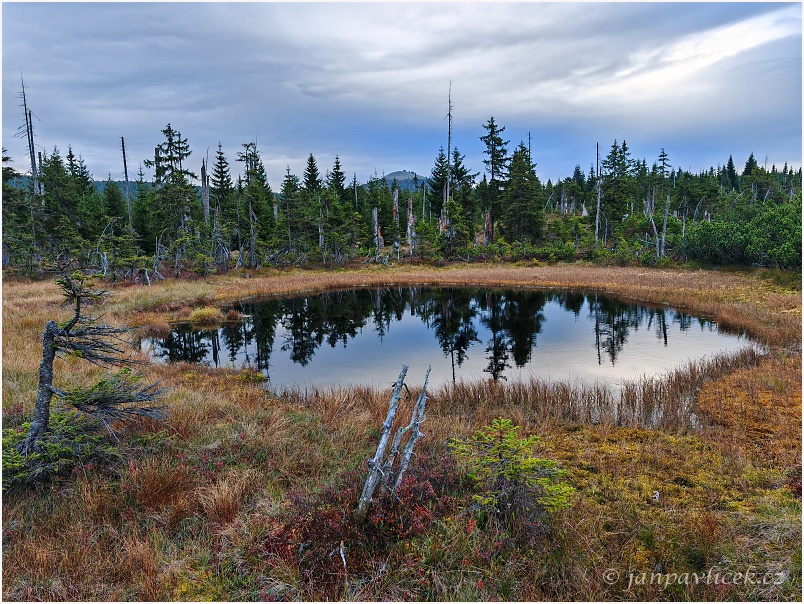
[369,81]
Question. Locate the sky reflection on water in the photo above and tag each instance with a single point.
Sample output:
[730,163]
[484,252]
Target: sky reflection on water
[365,336]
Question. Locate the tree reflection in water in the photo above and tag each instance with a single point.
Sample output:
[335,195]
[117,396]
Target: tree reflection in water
[504,324]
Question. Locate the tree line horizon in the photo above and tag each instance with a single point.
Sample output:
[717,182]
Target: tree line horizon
[622,210]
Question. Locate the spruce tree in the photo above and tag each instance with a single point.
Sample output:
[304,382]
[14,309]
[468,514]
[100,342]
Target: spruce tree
[114,204]
[497,163]
[22,220]
[732,182]
[438,177]
[750,165]
[337,181]
[142,208]
[221,190]
[61,205]
[462,187]
[225,234]
[176,209]
[257,202]
[619,186]
[523,217]
[312,178]
[293,217]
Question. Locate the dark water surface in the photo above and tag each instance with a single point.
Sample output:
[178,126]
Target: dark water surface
[364,336]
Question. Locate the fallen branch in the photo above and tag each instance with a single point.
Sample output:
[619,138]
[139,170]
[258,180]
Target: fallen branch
[415,421]
[380,473]
[375,463]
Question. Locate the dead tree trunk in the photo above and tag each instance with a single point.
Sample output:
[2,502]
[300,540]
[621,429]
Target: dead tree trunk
[381,472]
[29,137]
[321,229]
[656,236]
[44,393]
[449,143]
[375,463]
[252,236]
[97,344]
[664,225]
[597,213]
[411,221]
[376,227]
[424,197]
[415,421]
[125,174]
[205,191]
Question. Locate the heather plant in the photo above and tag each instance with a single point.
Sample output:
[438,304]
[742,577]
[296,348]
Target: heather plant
[517,490]
[332,544]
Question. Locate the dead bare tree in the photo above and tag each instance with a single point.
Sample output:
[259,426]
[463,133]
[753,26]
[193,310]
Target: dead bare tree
[125,173]
[381,468]
[29,138]
[205,191]
[664,225]
[118,397]
[449,142]
[409,233]
[597,175]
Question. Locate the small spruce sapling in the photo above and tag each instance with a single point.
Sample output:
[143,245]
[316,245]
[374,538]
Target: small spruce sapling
[516,487]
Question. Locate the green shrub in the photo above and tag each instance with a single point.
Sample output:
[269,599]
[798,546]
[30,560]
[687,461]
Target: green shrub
[70,440]
[557,252]
[516,489]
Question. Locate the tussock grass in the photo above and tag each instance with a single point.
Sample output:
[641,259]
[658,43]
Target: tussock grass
[206,315]
[155,483]
[221,502]
[719,439]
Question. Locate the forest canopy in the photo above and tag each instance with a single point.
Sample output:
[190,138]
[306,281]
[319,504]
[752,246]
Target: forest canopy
[628,211]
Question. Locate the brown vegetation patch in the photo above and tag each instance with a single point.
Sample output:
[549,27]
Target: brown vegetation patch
[194,516]
[758,410]
[156,483]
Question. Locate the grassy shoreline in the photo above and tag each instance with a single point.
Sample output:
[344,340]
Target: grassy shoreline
[197,515]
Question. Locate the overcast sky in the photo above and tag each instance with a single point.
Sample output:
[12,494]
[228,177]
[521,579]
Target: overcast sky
[370,81]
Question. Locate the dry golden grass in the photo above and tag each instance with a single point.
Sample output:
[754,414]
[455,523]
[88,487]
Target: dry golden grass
[151,324]
[758,410]
[187,519]
[206,315]
[222,501]
[155,483]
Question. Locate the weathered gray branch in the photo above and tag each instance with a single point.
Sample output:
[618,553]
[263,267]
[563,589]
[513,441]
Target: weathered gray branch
[380,472]
[375,463]
[415,421]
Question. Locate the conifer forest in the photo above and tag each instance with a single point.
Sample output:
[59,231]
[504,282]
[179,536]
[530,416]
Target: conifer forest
[186,214]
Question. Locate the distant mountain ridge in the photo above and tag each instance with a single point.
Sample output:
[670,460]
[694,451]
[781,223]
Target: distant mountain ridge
[405,180]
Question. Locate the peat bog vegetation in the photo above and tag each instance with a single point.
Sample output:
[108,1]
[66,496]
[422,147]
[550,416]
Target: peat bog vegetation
[687,486]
